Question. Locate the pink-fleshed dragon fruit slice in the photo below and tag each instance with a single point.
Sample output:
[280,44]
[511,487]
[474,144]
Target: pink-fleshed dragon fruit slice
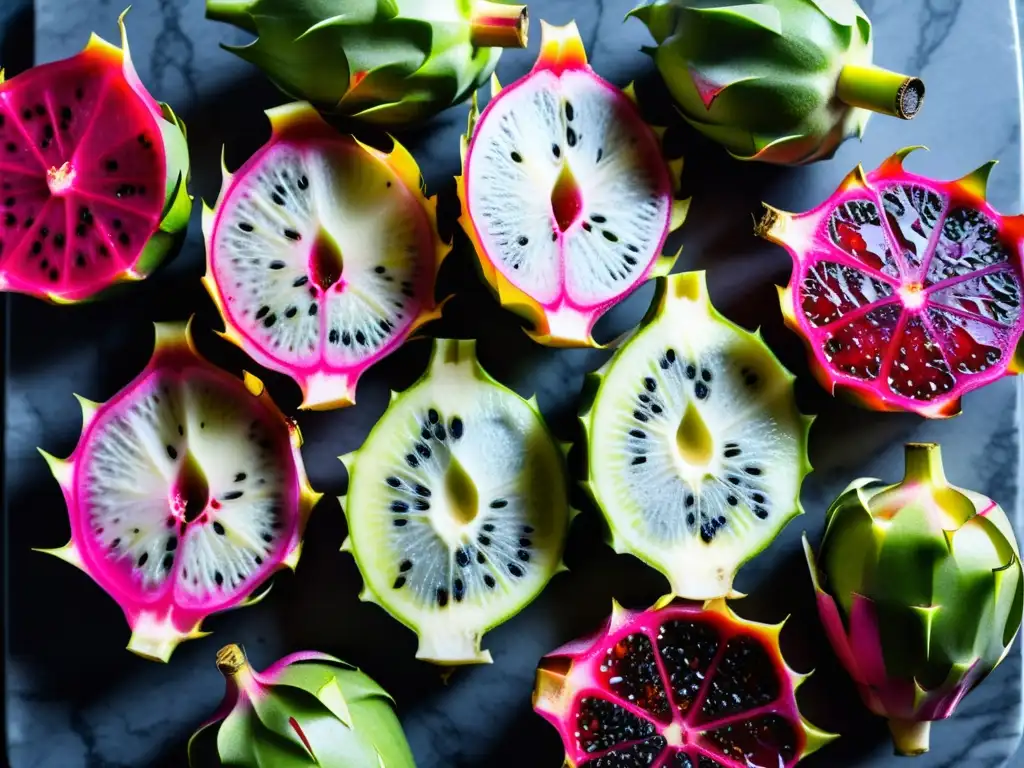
[906,290]
[185,492]
[565,193]
[93,176]
[678,686]
[322,254]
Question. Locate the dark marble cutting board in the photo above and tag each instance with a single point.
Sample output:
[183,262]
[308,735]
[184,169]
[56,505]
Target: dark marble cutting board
[77,699]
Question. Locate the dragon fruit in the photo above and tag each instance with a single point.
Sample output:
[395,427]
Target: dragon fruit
[695,448]
[906,290]
[389,62]
[184,493]
[308,710]
[678,686]
[457,507]
[779,81]
[93,176]
[565,194]
[920,589]
[322,254]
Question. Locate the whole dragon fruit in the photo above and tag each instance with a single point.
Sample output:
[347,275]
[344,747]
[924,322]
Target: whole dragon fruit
[93,176]
[308,710]
[322,253]
[780,81]
[565,193]
[678,686]
[185,492]
[906,290]
[388,62]
[921,591]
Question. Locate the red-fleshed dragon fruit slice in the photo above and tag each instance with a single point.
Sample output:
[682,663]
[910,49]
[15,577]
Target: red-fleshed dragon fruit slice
[906,290]
[93,176]
[322,253]
[185,492]
[678,686]
[565,193]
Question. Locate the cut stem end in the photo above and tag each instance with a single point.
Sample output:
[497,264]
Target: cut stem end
[231,660]
[498,25]
[910,738]
[882,91]
[923,464]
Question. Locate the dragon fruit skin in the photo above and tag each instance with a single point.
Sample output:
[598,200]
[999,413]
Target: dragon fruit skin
[562,322]
[587,669]
[101,278]
[920,590]
[386,62]
[803,84]
[806,237]
[160,623]
[307,709]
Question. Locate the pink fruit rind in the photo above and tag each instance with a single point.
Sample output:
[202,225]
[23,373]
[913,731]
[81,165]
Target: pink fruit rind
[163,618]
[574,672]
[807,239]
[859,649]
[324,386]
[561,321]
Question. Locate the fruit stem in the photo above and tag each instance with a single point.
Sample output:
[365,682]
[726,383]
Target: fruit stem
[233,664]
[882,91]
[910,737]
[923,464]
[498,25]
[234,12]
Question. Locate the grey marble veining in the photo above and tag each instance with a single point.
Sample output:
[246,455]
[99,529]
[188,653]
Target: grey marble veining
[76,699]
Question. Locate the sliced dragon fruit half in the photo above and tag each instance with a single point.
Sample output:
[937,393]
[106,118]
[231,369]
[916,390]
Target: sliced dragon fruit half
[678,686]
[906,290]
[565,193]
[322,253]
[93,176]
[185,492]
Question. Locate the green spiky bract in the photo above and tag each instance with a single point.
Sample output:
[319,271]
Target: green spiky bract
[388,62]
[780,81]
[921,591]
[308,710]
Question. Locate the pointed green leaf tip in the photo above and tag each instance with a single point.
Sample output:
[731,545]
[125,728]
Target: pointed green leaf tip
[938,565]
[307,710]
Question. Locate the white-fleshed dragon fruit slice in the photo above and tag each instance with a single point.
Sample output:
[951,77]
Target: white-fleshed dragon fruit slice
[322,253]
[566,195]
[185,492]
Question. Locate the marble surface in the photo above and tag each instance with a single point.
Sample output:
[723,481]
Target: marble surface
[77,699]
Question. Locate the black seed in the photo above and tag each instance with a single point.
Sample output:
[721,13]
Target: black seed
[650,384]
[37,247]
[53,275]
[58,240]
[10,220]
[690,500]
[80,231]
[523,555]
[114,544]
[259,560]
[691,371]
[489,580]
[758,498]
[303,183]
[269,320]
[393,481]
[499,504]
[485,541]
[752,471]
[611,237]
[515,570]
[630,260]
[570,137]
[421,505]
[524,542]
[639,460]
[232,495]
[524,241]
[361,337]
[439,433]
[655,408]
[732,500]
[278,200]
[300,281]
[400,522]
[267,537]
[168,562]
[143,558]
[262,312]
[456,428]
[640,416]
[123,238]
[280,189]
[432,416]
[172,544]
[313,309]
[276,264]
[218,529]
[28,222]
[732,453]
[405,566]
[701,390]
[10,201]
[423,491]
[462,558]
[442,596]
[516,157]
[334,336]
[480,558]
[172,452]
[705,374]
[399,582]
[489,527]
[425,433]
[11,146]
[291,312]
[638,433]
[399,506]
[346,338]
[291,234]
[556,150]
[600,154]
[412,461]
[761,512]
[117,223]
[459,590]
[422,450]
[570,113]
[527,529]
[219,578]
[27,114]
[587,226]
